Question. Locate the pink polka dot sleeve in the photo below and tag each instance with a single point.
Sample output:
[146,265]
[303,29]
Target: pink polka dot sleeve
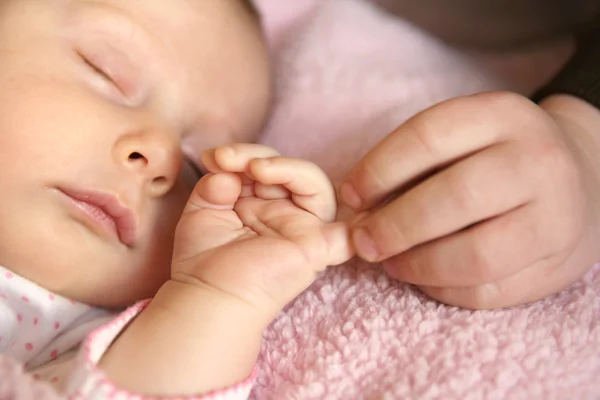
[88,382]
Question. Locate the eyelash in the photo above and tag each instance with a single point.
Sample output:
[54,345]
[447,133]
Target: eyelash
[99,71]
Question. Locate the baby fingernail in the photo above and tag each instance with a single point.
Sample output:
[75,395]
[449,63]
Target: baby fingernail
[262,161]
[350,196]
[365,246]
[229,151]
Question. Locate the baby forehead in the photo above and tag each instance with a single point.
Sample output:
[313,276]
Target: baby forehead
[205,57]
[185,37]
[188,14]
[196,31]
[158,17]
[172,16]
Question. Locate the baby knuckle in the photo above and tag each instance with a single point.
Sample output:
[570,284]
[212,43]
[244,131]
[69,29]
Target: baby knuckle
[325,210]
[313,170]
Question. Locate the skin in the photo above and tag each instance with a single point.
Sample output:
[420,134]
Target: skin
[254,204]
[103,95]
[483,201]
[486,201]
[94,99]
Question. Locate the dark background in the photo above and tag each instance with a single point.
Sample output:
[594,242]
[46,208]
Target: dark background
[497,24]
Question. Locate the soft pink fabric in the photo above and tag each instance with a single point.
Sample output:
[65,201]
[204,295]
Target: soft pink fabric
[84,380]
[15,384]
[347,74]
[87,381]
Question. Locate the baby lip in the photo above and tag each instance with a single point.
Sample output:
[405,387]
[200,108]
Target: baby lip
[122,216]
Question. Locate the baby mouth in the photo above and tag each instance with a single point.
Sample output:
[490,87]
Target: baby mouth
[105,212]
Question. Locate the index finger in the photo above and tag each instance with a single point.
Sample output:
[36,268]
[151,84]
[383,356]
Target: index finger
[430,140]
[310,187]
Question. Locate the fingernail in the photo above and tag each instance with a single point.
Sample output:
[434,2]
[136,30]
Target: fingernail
[262,161]
[230,151]
[365,246]
[350,196]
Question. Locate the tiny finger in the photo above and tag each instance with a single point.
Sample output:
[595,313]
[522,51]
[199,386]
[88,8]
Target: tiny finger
[310,187]
[236,157]
[271,192]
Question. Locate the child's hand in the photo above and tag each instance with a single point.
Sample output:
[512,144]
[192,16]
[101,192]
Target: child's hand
[484,201]
[254,234]
[259,227]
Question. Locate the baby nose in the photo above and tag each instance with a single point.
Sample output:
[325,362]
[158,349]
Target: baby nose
[154,157]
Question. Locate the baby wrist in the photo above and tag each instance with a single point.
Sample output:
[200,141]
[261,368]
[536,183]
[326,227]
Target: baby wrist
[196,335]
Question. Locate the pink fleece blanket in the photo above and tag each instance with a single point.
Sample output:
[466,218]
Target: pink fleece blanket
[347,74]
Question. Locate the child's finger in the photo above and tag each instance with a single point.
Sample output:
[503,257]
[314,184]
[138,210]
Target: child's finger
[236,157]
[271,192]
[210,163]
[215,191]
[311,189]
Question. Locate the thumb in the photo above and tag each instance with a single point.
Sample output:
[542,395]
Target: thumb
[218,191]
[208,220]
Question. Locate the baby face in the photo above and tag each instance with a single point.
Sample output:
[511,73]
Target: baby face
[96,99]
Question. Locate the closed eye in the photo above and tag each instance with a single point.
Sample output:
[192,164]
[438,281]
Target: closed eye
[100,72]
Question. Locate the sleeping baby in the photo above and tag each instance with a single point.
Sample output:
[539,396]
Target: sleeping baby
[100,208]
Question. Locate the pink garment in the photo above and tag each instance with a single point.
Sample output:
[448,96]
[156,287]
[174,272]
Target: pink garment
[88,382]
[42,330]
[40,337]
[348,74]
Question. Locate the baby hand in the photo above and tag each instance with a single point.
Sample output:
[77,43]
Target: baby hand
[259,227]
